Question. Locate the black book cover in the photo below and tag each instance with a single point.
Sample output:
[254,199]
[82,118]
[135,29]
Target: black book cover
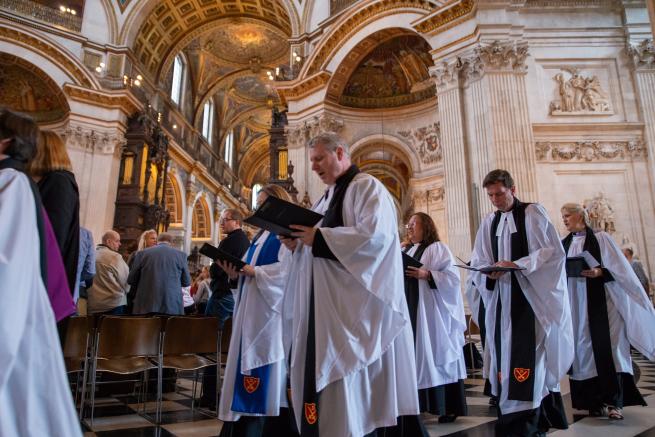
[409,261]
[215,253]
[575,265]
[275,215]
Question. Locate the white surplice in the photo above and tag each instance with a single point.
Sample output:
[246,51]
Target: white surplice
[35,398]
[365,368]
[544,285]
[257,332]
[625,302]
[440,321]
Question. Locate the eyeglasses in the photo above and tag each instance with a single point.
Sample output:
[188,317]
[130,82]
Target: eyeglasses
[224,220]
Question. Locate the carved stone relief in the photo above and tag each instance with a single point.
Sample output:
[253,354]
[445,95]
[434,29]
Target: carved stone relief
[299,134]
[423,199]
[504,55]
[90,140]
[579,95]
[591,151]
[426,141]
[601,213]
[642,54]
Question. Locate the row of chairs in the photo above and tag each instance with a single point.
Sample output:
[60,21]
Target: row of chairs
[130,345]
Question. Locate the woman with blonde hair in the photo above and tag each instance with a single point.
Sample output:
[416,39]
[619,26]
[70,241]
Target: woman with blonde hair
[609,313]
[147,239]
[52,170]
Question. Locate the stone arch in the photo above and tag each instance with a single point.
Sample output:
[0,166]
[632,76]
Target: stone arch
[174,201]
[351,29]
[28,89]
[201,220]
[393,143]
[56,61]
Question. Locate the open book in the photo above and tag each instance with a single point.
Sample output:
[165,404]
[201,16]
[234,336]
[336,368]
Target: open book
[275,215]
[486,269]
[217,254]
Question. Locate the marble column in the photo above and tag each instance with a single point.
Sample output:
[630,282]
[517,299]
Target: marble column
[95,152]
[453,143]
[642,61]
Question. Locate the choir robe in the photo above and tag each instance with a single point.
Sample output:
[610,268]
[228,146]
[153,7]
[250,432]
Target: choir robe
[35,397]
[365,367]
[543,283]
[629,312]
[440,321]
[257,331]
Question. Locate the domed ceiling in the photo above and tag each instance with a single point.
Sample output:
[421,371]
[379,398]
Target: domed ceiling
[394,74]
[248,43]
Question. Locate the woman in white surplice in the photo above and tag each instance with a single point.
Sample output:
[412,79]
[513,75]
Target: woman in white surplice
[610,312]
[437,314]
[254,397]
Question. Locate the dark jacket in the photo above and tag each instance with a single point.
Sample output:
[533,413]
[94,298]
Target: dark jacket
[158,275]
[61,200]
[236,243]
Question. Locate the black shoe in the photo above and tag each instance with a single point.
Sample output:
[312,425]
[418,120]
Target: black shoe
[448,418]
[493,401]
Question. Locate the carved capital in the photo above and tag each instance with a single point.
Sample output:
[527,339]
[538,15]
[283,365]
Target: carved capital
[504,56]
[299,134]
[472,68]
[92,140]
[445,75]
[642,55]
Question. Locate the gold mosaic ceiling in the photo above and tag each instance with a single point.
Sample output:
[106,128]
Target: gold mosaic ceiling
[174,20]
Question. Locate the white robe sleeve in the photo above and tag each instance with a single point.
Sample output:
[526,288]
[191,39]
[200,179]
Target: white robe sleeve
[628,297]
[271,279]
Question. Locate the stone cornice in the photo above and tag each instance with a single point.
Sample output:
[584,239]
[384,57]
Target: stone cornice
[305,87]
[449,16]
[108,99]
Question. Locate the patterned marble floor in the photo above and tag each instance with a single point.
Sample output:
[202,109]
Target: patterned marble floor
[118,416]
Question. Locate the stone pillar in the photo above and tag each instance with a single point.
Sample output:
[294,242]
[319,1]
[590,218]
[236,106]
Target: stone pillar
[453,143]
[95,152]
[190,193]
[504,138]
[642,57]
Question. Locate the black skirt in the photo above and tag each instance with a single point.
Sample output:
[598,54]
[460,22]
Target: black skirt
[590,394]
[448,399]
[406,426]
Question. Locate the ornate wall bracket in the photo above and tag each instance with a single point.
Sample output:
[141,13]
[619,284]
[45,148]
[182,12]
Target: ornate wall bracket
[426,141]
[591,151]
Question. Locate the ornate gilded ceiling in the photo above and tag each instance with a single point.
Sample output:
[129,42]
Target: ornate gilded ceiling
[25,88]
[173,21]
[246,43]
[394,73]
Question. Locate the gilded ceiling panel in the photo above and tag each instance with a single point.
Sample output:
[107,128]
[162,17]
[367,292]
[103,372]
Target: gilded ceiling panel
[242,42]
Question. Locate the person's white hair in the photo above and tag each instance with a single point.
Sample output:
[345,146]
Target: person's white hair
[142,238]
[576,208]
[330,140]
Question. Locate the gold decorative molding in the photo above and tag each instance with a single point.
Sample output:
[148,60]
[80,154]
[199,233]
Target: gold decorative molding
[56,55]
[447,17]
[108,99]
[335,40]
[305,87]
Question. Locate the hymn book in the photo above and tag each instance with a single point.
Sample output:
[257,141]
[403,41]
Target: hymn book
[576,264]
[409,261]
[276,215]
[217,254]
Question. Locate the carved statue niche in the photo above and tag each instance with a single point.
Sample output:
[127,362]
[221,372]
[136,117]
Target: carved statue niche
[601,214]
[140,200]
[579,95]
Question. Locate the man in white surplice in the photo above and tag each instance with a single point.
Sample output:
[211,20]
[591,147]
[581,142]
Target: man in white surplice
[350,268]
[540,287]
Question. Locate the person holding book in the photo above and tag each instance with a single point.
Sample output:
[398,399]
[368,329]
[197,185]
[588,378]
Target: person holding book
[609,313]
[352,370]
[254,396]
[436,311]
[529,333]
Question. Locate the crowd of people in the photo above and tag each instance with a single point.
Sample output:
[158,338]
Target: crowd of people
[331,335]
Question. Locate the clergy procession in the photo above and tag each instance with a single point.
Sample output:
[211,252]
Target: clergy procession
[345,328]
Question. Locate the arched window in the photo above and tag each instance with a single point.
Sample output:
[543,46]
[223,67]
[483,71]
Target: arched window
[177,87]
[208,120]
[255,192]
[229,148]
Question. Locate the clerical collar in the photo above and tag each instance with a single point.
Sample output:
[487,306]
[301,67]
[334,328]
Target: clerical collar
[581,233]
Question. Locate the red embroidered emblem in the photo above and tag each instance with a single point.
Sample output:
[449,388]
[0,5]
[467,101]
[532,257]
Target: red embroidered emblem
[311,415]
[250,383]
[521,374]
